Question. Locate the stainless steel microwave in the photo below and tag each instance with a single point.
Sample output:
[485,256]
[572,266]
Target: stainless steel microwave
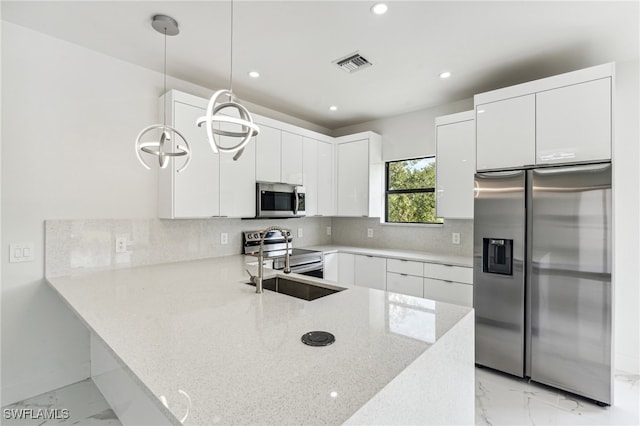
[279,200]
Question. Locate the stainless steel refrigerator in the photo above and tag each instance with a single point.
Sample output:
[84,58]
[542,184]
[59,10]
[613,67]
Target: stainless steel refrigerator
[542,276]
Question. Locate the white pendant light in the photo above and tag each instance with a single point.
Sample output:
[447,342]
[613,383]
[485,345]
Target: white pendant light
[163,148]
[247,128]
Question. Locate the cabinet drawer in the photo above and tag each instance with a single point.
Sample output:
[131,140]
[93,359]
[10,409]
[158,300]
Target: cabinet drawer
[404,267]
[448,291]
[459,274]
[404,284]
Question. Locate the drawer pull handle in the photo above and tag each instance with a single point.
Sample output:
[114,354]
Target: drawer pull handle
[404,275]
[448,281]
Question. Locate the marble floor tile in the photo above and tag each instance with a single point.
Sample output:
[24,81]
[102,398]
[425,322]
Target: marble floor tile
[504,400]
[77,404]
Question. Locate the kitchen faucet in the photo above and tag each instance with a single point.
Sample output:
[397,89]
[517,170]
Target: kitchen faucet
[287,268]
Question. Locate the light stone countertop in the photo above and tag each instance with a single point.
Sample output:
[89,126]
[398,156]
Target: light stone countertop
[195,326]
[418,256]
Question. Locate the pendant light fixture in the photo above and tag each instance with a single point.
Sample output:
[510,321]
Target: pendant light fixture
[214,119]
[163,148]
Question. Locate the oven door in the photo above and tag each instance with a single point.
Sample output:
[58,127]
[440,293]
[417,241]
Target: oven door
[310,269]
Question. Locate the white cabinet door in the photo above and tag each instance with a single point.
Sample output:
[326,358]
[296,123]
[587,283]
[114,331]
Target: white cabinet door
[310,175]
[448,291]
[455,166]
[291,158]
[573,123]
[353,178]
[237,180]
[371,271]
[346,268]
[267,168]
[331,266]
[505,133]
[183,195]
[404,284]
[326,188]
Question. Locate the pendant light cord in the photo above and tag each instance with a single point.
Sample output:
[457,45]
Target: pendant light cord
[231,55]
[164,119]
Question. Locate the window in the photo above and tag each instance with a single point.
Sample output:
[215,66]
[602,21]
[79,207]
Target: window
[410,191]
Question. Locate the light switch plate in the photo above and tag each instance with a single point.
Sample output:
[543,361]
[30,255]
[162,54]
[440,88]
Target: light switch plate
[328,230]
[299,232]
[369,232]
[224,238]
[21,252]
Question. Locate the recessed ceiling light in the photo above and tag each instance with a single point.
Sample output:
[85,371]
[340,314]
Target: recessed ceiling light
[379,8]
[445,74]
[333,108]
[254,74]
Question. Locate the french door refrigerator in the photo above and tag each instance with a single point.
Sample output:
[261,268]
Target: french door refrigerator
[542,276]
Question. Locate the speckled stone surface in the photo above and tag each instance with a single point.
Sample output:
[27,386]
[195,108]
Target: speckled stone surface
[196,327]
[418,256]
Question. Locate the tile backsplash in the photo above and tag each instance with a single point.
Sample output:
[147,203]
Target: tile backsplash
[77,246]
[435,238]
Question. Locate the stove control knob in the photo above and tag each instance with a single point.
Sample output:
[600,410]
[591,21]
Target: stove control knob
[256,236]
[249,236]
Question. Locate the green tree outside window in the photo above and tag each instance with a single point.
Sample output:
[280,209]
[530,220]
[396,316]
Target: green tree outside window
[410,191]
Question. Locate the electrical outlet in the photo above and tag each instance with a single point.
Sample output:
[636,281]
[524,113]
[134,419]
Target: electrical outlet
[20,252]
[455,238]
[328,230]
[121,243]
[299,232]
[369,232]
[224,238]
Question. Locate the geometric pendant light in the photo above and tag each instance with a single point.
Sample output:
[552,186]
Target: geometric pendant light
[164,148]
[245,127]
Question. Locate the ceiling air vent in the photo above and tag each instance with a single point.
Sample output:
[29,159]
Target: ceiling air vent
[353,62]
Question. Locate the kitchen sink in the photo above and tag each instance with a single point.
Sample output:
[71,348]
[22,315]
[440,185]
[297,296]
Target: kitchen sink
[299,289]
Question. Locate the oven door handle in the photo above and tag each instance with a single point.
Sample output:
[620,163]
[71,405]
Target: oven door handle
[306,268]
[297,200]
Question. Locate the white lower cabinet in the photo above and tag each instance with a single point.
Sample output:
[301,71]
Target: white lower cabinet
[404,284]
[448,291]
[346,268]
[331,266]
[370,271]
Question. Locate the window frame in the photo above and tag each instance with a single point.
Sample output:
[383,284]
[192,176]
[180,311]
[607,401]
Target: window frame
[388,191]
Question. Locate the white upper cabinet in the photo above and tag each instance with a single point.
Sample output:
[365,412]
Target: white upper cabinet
[268,154]
[194,192]
[562,119]
[291,158]
[359,174]
[317,168]
[455,165]
[326,188]
[506,133]
[310,175]
[279,155]
[573,123]
[237,179]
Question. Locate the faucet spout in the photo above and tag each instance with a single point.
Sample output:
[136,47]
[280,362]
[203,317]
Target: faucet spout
[287,266]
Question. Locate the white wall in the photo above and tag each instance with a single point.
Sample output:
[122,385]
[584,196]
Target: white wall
[627,217]
[70,116]
[409,135]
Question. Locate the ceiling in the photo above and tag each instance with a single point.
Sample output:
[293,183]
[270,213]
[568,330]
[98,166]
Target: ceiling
[485,45]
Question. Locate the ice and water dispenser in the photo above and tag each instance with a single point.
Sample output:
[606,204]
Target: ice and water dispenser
[497,256]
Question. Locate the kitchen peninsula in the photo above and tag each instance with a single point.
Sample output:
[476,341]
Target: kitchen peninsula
[203,348]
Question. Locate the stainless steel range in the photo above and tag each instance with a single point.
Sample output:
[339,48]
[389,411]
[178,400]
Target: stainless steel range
[305,262]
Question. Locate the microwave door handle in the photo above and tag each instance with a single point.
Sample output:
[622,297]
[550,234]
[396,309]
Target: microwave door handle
[297,201]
